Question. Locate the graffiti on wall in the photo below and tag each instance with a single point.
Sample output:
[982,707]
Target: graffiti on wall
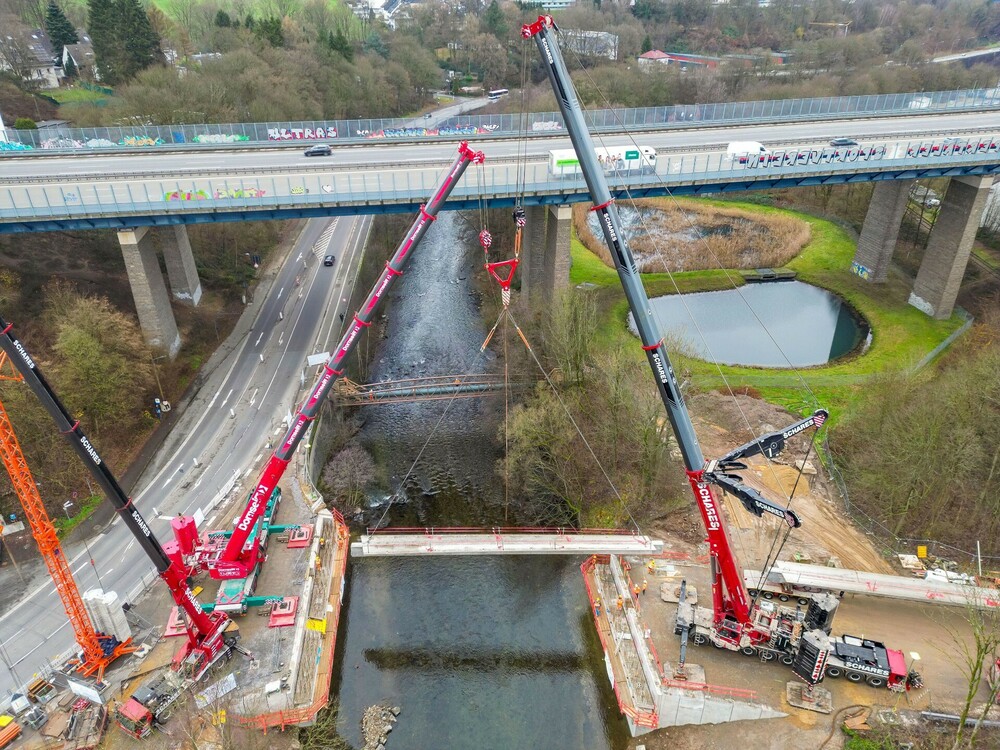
[201,195]
[300,134]
[219,138]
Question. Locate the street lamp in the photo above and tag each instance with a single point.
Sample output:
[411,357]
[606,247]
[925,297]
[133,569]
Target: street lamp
[66,506]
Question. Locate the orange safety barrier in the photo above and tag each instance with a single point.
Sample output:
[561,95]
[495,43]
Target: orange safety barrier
[432,530]
[292,717]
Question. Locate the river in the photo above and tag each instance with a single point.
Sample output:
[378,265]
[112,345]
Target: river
[477,652]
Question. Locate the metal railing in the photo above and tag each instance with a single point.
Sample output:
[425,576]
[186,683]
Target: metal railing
[141,137]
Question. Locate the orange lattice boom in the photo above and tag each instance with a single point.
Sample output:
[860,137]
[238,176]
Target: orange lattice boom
[95,658]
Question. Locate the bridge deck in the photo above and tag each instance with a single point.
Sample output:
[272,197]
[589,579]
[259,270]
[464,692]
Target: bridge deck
[502,543]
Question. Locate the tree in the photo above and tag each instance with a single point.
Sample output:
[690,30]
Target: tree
[269,29]
[375,44]
[339,44]
[647,45]
[223,20]
[494,21]
[69,68]
[17,58]
[102,27]
[25,123]
[139,46]
[59,29]
[347,474]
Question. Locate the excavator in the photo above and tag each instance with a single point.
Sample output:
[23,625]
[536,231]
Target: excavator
[735,622]
[213,635]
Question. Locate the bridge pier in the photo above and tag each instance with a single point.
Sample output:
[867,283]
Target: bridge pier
[152,302]
[881,230]
[940,276]
[181,268]
[558,236]
[532,266]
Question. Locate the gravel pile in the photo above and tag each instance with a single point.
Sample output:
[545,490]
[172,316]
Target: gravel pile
[376,724]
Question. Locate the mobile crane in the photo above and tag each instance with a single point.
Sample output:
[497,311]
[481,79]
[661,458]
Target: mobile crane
[241,555]
[97,650]
[735,622]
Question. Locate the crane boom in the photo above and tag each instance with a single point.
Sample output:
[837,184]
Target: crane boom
[233,562]
[94,658]
[205,634]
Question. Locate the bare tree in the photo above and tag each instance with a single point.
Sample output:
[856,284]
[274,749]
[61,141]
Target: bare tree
[16,56]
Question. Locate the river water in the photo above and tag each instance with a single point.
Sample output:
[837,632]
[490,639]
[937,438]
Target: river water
[478,652]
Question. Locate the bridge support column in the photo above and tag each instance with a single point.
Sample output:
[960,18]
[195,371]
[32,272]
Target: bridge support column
[947,255]
[152,301]
[532,268]
[558,235]
[881,230]
[181,269]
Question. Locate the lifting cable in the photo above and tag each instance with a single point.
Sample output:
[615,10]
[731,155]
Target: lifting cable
[769,562]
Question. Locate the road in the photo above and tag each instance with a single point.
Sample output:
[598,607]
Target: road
[387,156]
[222,434]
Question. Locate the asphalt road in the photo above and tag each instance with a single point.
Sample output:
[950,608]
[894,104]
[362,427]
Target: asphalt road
[221,436]
[387,156]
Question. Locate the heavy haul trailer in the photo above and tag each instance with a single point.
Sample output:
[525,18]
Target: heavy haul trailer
[798,638]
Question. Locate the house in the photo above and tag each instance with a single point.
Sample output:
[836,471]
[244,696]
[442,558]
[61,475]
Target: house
[82,55]
[649,60]
[591,43]
[28,54]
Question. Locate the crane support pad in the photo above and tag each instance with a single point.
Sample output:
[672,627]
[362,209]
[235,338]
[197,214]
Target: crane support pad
[300,537]
[283,613]
[175,624]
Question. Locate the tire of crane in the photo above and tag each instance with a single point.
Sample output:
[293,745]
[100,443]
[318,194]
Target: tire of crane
[717,645]
[699,639]
[834,672]
[787,660]
[767,656]
[854,676]
[804,601]
[875,682]
[768,595]
[783,597]
[752,593]
[748,651]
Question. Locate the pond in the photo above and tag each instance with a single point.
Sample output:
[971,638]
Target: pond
[778,324]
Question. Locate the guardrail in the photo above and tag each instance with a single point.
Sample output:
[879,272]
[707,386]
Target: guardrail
[213,136]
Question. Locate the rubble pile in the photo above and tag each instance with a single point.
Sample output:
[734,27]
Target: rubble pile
[376,724]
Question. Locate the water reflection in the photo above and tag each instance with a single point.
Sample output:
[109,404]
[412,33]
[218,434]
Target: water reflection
[780,324]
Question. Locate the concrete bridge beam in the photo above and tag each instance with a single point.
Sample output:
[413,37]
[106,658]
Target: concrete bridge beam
[152,302]
[881,230]
[181,268]
[940,276]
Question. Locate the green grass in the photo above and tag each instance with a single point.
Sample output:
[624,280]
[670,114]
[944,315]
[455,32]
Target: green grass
[902,335]
[77,94]
[82,511]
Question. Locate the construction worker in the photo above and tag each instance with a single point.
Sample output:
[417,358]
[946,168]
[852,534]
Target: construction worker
[621,604]
[597,607]
[635,590]
[644,584]
[651,567]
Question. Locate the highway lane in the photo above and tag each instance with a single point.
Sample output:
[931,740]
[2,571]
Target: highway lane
[385,156]
[226,429]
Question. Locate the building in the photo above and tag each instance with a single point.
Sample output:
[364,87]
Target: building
[27,53]
[82,55]
[649,60]
[591,43]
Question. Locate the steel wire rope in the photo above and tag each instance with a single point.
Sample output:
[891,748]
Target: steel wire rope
[660,256]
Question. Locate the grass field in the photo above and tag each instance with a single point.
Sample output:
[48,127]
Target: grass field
[901,334]
[77,94]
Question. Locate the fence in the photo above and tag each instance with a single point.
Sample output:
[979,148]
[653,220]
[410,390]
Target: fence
[472,126]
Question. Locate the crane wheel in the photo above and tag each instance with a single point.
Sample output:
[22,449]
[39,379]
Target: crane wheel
[768,595]
[783,597]
[787,660]
[833,672]
[699,639]
[854,677]
[752,593]
[767,656]
[875,681]
[748,651]
[803,601]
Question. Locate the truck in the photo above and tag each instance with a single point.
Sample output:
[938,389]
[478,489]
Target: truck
[151,704]
[616,160]
[800,639]
[747,152]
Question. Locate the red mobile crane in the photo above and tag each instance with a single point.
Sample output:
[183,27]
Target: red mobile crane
[735,622]
[97,650]
[241,555]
